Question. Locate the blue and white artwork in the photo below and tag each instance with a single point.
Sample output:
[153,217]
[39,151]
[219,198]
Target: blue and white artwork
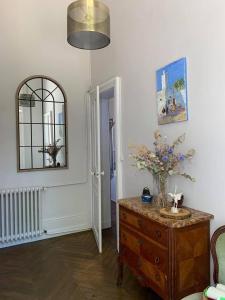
[172,92]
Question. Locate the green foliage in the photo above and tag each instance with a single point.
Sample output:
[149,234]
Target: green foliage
[179,84]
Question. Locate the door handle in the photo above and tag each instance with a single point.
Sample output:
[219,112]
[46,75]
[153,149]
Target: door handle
[100,174]
[92,173]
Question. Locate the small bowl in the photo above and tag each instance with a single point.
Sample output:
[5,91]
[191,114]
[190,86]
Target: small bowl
[146,198]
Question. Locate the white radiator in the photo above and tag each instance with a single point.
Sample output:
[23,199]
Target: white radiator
[20,215]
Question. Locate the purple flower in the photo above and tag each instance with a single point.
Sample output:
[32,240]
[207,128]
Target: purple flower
[181,157]
[170,151]
[165,158]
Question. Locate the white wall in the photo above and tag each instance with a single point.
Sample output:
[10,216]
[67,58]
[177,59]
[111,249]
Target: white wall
[147,35]
[33,42]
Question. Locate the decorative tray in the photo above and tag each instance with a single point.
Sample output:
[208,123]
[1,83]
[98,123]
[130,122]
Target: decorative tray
[181,215]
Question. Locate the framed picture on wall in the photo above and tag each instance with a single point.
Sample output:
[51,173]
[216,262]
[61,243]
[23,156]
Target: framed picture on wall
[171,82]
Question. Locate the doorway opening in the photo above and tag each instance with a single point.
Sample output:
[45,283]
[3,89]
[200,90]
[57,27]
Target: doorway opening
[105,157]
[108,158]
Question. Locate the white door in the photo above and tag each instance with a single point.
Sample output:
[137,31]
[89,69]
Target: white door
[96,166]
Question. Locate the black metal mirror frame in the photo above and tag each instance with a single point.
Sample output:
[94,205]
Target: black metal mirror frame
[58,86]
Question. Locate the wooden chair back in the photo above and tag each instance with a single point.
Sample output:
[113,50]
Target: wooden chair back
[218,255]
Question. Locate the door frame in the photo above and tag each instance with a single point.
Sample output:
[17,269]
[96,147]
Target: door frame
[116,84]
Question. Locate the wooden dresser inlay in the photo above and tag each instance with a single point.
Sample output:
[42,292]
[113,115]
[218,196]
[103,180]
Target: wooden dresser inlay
[169,256]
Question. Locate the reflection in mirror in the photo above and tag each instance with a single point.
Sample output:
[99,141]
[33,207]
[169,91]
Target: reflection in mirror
[49,137]
[34,85]
[59,134]
[48,114]
[59,113]
[58,95]
[61,156]
[36,112]
[54,156]
[27,94]
[37,135]
[24,113]
[41,124]
[25,158]
[49,86]
[47,96]
[25,135]
[37,158]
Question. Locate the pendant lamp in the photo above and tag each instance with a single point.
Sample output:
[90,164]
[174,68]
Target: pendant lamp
[88,24]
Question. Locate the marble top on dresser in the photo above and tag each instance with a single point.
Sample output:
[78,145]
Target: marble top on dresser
[151,212]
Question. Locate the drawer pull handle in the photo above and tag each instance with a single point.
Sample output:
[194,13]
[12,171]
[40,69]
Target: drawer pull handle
[158,234]
[157,260]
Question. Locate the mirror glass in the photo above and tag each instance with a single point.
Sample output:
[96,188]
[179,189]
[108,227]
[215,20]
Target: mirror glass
[41,124]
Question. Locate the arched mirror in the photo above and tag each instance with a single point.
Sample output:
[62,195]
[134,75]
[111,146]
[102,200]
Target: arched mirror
[41,124]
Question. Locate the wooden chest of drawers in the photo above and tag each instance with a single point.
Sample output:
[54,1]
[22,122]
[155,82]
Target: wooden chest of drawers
[171,257]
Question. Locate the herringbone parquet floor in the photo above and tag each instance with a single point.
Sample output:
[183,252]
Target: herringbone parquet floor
[66,268]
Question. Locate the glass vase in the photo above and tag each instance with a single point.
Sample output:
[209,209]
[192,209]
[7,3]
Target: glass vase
[160,185]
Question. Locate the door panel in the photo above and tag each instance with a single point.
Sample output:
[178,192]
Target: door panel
[96,166]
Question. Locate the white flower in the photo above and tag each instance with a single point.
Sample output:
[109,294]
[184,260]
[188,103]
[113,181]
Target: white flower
[139,165]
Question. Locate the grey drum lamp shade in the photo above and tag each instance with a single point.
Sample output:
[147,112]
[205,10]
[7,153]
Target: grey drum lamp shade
[88,24]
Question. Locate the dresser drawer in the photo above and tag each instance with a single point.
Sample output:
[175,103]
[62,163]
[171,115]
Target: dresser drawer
[154,230]
[155,255]
[129,218]
[130,240]
[156,277]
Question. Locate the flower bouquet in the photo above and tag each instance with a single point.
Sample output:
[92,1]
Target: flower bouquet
[163,162]
[52,151]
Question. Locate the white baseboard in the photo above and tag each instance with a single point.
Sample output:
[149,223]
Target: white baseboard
[45,236]
[55,227]
[66,224]
[78,229]
[19,242]
[67,230]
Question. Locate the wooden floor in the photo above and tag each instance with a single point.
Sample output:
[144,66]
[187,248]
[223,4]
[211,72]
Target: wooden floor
[66,268]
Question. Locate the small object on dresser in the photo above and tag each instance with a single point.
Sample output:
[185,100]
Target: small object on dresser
[146,196]
[180,201]
[177,201]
